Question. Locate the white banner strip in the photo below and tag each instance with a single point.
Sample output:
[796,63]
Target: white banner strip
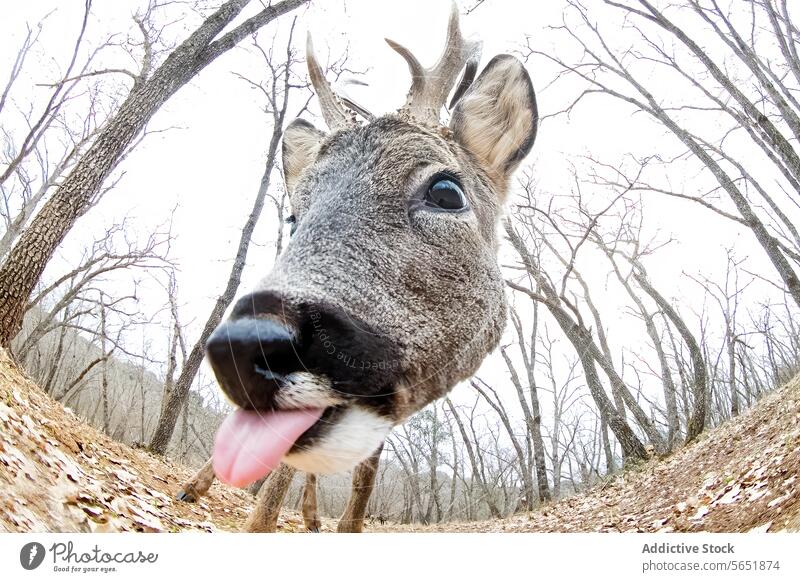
[389,557]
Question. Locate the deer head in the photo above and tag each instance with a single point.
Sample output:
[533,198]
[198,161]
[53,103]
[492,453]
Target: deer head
[389,291]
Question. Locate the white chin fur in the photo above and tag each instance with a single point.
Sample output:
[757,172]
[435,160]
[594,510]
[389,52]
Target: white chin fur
[356,435]
[306,390]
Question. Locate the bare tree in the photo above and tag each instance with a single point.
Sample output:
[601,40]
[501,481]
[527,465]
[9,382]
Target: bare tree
[151,88]
[569,319]
[696,422]
[48,129]
[112,252]
[474,456]
[670,393]
[565,394]
[728,296]
[759,46]
[277,91]
[531,412]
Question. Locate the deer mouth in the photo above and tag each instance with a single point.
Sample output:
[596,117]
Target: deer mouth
[251,443]
[313,387]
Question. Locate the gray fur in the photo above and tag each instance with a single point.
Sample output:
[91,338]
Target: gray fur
[427,280]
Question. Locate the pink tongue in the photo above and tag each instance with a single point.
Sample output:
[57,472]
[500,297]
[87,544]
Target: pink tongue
[250,444]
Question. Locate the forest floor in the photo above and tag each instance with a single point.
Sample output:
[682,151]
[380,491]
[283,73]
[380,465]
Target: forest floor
[59,474]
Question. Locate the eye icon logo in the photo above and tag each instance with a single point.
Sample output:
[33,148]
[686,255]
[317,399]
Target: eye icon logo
[31,555]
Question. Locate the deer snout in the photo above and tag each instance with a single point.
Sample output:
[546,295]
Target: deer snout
[251,358]
[274,353]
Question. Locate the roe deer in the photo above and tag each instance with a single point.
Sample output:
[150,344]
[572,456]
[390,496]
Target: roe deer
[388,292]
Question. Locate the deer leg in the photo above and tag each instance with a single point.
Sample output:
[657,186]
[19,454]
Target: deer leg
[198,485]
[264,517]
[310,516]
[352,520]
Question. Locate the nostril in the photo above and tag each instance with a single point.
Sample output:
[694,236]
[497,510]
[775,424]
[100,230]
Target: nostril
[249,357]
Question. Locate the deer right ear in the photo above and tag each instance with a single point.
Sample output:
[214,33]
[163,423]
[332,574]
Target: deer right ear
[496,118]
[301,142]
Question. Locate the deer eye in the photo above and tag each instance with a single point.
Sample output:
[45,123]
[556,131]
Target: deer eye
[445,193]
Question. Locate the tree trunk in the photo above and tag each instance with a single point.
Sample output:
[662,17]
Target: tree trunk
[493,509]
[587,350]
[670,393]
[451,503]
[532,413]
[611,466]
[173,400]
[104,367]
[697,421]
[731,345]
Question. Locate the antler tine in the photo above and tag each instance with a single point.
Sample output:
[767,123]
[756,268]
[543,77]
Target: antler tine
[333,110]
[416,69]
[430,87]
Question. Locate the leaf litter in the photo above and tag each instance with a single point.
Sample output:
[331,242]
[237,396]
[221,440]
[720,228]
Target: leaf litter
[57,473]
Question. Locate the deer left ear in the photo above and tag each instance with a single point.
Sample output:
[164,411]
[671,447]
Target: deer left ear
[496,118]
[301,142]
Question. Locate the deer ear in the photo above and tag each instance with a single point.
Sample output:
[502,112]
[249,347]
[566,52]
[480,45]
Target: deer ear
[301,142]
[496,118]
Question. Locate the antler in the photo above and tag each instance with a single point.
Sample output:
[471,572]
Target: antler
[430,87]
[334,112]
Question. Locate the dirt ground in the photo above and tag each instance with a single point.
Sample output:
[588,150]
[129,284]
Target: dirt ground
[59,474]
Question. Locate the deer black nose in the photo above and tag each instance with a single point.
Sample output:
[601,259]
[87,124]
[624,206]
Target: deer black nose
[268,336]
[250,357]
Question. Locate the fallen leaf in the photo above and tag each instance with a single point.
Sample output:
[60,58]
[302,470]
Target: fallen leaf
[701,512]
